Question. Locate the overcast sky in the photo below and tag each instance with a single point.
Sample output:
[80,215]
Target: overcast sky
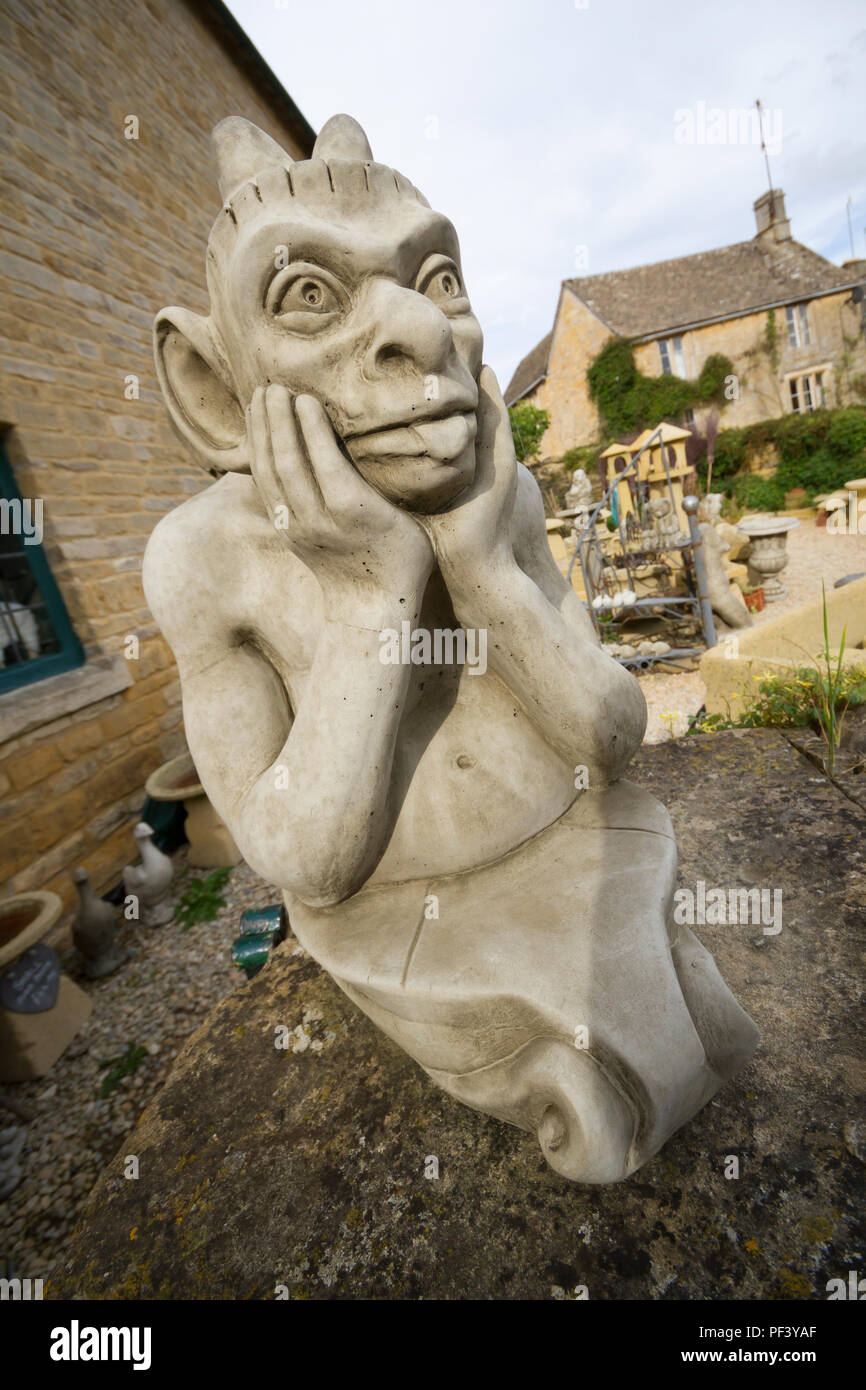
[565,136]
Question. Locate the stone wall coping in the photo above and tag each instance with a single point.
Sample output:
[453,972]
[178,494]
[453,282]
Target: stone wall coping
[29,707]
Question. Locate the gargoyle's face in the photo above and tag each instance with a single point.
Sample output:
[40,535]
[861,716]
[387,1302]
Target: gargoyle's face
[360,301]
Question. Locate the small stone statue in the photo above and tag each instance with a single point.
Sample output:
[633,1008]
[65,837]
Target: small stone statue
[457,847]
[710,511]
[662,531]
[150,880]
[580,492]
[725,598]
[94,931]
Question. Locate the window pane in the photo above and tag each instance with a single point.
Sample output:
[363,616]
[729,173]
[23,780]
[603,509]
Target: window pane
[36,636]
[819,390]
[26,631]
[679,357]
[665,356]
[807,393]
[795,399]
[793,327]
[804,323]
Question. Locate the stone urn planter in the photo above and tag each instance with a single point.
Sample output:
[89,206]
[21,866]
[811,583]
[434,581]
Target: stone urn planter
[41,1009]
[210,844]
[768,555]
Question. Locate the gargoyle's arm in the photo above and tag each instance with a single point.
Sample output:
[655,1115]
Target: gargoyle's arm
[542,645]
[305,796]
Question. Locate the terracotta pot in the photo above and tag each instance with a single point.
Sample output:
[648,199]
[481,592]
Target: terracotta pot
[755,601]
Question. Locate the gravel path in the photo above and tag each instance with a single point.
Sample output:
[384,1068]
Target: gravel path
[155,1000]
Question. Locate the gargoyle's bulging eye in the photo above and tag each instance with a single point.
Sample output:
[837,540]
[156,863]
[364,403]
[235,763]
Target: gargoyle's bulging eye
[441,282]
[306,295]
[304,298]
[445,284]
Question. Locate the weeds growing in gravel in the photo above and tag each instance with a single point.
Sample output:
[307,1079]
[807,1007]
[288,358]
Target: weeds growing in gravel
[202,900]
[121,1066]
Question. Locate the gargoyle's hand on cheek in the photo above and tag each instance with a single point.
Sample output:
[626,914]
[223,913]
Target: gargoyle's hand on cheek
[477,529]
[369,558]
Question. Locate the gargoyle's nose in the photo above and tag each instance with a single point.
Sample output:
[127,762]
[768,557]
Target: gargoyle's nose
[410,330]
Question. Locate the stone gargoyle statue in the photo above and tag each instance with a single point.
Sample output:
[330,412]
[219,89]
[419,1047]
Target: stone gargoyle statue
[453,838]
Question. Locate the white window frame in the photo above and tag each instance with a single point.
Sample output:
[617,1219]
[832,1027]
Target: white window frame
[797,318]
[808,389]
[673,357]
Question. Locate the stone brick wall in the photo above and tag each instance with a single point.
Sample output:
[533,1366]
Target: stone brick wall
[763,392]
[97,233]
[578,337]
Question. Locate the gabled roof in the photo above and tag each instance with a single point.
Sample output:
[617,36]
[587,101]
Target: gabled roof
[653,299]
[668,296]
[242,51]
[532,369]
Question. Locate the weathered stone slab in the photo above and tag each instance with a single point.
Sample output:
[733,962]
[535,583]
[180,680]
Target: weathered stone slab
[306,1167]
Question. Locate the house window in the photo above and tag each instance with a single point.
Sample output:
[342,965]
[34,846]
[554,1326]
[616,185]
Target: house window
[36,636]
[807,392]
[798,325]
[689,416]
[671,352]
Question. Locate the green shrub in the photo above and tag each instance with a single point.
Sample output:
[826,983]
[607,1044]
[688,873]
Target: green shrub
[528,424]
[797,437]
[818,452]
[791,700]
[847,433]
[820,472]
[730,454]
[581,456]
[759,494]
[711,382]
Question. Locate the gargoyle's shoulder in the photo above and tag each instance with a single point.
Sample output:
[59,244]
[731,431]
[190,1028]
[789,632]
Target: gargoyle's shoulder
[193,547]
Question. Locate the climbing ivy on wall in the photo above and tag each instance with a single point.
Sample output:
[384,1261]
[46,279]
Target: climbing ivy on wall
[628,401]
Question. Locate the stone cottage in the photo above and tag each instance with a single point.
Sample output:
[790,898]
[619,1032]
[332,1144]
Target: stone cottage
[108,201]
[680,312]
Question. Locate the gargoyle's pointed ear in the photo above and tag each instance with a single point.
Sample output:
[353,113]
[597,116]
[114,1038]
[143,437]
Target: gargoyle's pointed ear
[199,391]
[241,151]
[342,138]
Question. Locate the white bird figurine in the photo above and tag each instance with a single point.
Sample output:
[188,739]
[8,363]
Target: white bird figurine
[150,881]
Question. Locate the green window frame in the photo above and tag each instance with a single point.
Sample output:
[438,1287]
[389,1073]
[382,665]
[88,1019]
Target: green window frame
[27,587]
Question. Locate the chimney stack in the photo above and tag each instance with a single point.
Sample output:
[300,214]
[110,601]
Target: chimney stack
[773,224]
